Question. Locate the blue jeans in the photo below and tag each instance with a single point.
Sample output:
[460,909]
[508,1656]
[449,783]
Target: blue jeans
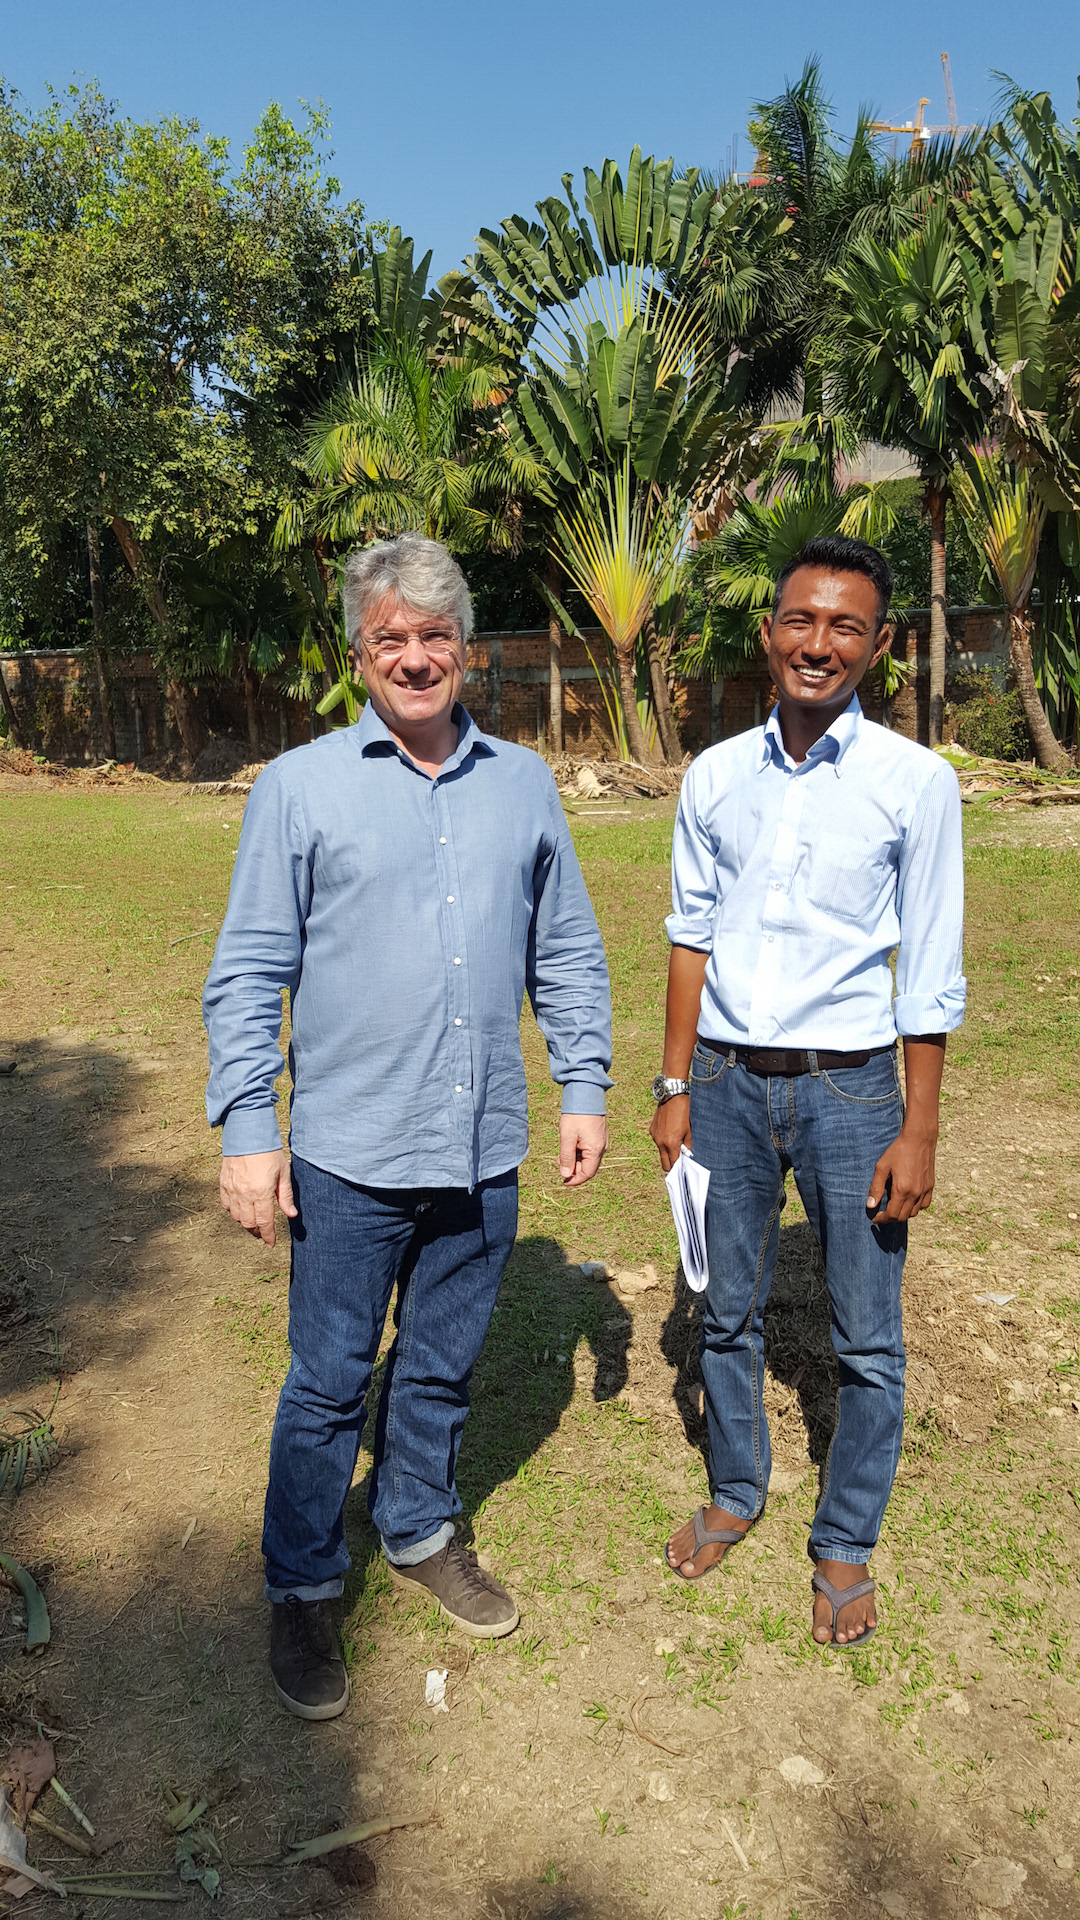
[446,1249]
[830,1128]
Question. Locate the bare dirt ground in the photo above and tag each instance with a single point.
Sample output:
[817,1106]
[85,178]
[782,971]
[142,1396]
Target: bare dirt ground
[638,1746]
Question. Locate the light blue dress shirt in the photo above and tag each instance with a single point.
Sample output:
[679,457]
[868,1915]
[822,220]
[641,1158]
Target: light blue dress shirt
[800,881]
[406,917]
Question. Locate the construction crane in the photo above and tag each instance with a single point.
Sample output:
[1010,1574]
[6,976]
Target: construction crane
[921,133]
[950,97]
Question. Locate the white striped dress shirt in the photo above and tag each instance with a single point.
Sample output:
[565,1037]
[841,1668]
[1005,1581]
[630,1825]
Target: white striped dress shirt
[800,882]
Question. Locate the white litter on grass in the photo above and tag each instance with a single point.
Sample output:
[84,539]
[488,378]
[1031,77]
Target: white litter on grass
[435,1690]
[660,1787]
[593,1269]
[664,1647]
[800,1772]
[993,1299]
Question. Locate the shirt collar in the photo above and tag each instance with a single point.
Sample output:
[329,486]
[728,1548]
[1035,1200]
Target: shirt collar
[372,733]
[832,746]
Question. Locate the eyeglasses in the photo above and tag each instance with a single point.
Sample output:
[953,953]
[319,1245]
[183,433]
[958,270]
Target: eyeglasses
[439,642]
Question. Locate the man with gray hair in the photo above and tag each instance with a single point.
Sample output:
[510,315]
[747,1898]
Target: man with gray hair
[406,881]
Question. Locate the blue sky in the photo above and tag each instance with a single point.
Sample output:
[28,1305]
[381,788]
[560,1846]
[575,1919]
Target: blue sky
[448,117]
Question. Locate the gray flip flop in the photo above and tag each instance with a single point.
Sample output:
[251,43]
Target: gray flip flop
[838,1597]
[706,1537]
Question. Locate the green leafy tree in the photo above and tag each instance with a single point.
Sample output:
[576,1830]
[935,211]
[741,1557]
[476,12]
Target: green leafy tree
[910,374]
[154,310]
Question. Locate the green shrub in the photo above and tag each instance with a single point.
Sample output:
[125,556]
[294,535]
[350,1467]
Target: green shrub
[986,719]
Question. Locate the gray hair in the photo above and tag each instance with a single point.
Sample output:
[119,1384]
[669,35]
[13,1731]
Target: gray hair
[420,573]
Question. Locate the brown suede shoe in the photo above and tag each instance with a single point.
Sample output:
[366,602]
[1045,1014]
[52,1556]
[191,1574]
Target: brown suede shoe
[467,1594]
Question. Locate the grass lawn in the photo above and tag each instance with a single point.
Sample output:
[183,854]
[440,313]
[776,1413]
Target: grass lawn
[632,1747]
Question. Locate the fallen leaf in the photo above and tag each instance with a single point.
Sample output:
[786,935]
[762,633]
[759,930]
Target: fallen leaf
[14,1889]
[194,1860]
[189,1530]
[13,1851]
[302,1850]
[660,1787]
[30,1766]
[38,1629]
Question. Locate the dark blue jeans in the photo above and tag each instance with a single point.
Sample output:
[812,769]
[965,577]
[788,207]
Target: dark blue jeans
[831,1129]
[446,1249]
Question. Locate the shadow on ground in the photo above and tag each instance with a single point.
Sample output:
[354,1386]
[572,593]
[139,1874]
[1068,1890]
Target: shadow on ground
[79,1209]
[523,1383]
[798,1344]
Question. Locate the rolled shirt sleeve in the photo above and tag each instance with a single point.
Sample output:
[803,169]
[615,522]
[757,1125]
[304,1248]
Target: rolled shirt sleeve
[693,874]
[257,958]
[930,986]
[567,974]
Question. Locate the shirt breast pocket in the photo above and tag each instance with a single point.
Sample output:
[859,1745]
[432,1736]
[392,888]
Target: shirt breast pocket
[846,877]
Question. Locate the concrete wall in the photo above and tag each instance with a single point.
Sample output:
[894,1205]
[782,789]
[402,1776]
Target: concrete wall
[55,694]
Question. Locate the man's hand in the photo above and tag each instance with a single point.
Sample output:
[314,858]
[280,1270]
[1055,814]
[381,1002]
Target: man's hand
[250,1184]
[583,1142]
[907,1166]
[907,1169]
[670,1128]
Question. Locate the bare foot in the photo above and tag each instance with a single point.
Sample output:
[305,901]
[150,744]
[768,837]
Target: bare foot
[681,1555]
[851,1620]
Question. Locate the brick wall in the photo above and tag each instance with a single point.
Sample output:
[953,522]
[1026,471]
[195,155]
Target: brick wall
[55,694]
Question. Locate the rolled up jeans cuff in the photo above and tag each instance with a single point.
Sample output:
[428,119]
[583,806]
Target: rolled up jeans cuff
[412,1556]
[327,1590]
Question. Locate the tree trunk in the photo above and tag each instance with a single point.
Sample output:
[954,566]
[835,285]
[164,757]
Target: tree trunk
[936,496]
[1048,751]
[182,707]
[101,657]
[251,710]
[555,703]
[666,724]
[635,732]
[8,705]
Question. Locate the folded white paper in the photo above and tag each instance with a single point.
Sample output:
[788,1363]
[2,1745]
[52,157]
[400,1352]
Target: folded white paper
[688,1185]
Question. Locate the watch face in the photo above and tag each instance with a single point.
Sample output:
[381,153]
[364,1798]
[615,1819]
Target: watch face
[659,1087]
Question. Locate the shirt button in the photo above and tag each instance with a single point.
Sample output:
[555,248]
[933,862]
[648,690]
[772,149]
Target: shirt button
[769,937]
[442,840]
[459,1089]
[457,1023]
[449,899]
[457,962]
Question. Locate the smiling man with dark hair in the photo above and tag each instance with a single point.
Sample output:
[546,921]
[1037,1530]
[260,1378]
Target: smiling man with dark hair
[805,852]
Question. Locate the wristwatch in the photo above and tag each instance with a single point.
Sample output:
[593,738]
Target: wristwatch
[665,1089]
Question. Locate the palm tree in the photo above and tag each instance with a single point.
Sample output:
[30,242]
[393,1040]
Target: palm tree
[1006,516]
[910,374]
[735,572]
[819,198]
[415,440]
[621,393]
[617,546]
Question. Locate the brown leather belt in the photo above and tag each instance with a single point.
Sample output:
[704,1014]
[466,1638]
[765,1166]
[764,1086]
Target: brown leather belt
[784,1062]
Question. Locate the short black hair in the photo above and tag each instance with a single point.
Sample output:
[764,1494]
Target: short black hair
[837,554]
